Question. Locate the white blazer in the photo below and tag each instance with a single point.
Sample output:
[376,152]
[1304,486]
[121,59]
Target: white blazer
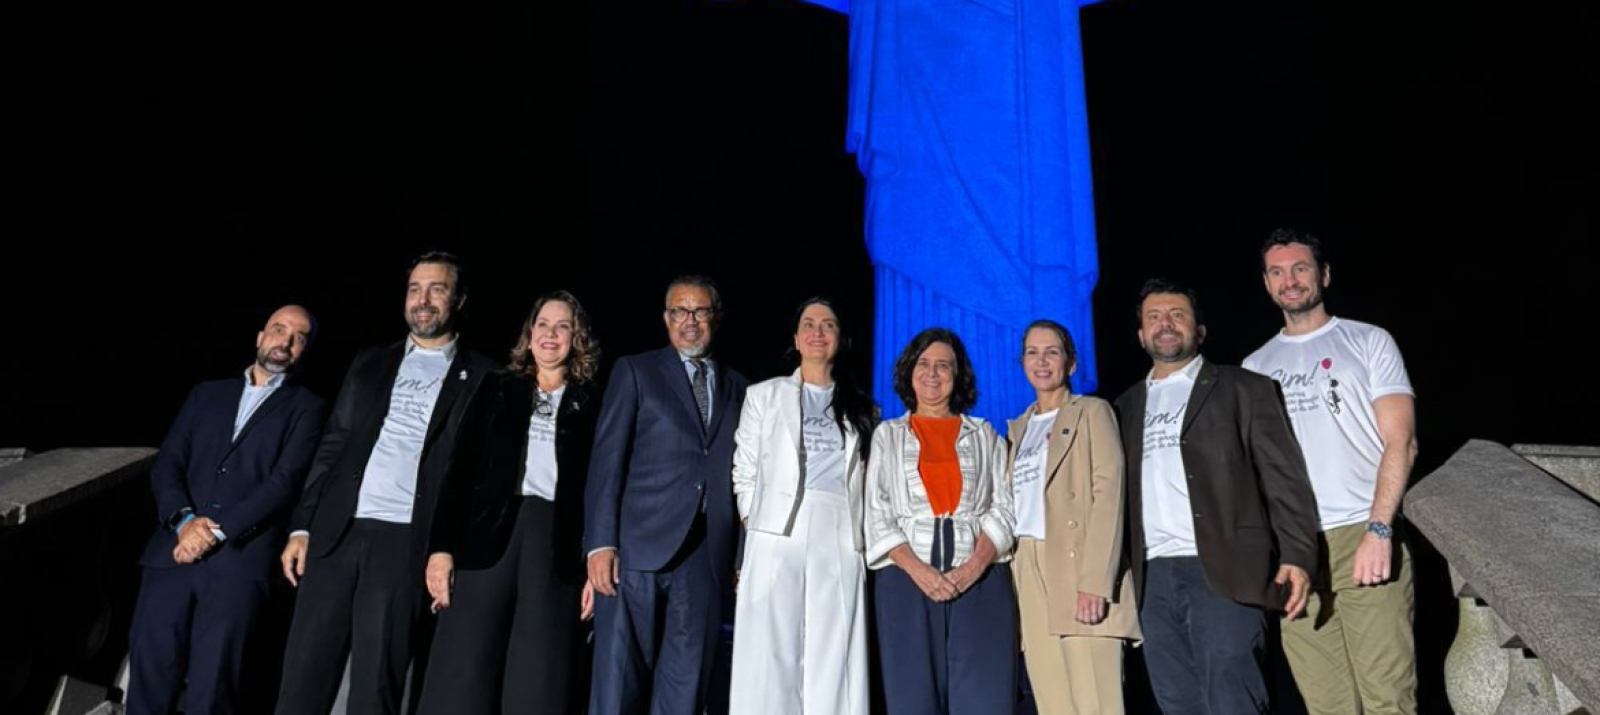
[769,459]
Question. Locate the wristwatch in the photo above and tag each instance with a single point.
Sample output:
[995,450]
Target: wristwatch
[1380,529]
[178,518]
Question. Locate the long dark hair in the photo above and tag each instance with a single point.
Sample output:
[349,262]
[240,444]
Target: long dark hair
[850,403]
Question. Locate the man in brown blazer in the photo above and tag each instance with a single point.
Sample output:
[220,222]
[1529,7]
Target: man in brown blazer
[1223,523]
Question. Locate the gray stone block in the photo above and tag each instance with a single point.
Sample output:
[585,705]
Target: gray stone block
[12,455]
[47,483]
[1530,548]
[1579,467]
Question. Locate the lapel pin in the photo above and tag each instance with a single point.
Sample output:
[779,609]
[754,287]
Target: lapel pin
[462,376]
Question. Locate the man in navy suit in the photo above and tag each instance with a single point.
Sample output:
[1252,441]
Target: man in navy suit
[228,472]
[660,525]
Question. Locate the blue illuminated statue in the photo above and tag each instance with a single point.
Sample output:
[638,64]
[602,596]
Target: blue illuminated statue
[967,119]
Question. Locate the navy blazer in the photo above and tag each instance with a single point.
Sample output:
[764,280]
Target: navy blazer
[246,485]
[653,463]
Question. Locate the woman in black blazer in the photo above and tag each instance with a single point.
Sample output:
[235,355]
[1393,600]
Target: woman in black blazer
[506,567]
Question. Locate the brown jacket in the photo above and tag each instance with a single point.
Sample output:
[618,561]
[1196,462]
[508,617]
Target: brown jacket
[1084,515]
[1248,488]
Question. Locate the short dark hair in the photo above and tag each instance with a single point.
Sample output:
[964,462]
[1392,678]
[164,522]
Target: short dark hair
[1162,285]
[1286,236]
[458,274]
[697,281]
[965,394]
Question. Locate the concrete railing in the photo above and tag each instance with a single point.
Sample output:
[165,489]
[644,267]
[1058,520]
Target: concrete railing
[1524,553]
[72,524]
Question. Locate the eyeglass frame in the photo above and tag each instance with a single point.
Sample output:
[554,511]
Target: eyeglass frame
[681,315]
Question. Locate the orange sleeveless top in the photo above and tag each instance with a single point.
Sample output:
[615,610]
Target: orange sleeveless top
[941,471]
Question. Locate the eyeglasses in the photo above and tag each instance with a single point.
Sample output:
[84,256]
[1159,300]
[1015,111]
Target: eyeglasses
[679,315]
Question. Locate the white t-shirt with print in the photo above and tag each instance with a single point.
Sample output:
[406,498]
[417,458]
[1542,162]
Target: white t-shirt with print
[825,458]
[1330,379]
[1163,481]
[540,471]
[1028,477]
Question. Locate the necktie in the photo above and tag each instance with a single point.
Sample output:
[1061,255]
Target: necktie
[702,395]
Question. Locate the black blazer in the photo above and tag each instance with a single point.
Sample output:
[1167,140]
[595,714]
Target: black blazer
[329,503]
[246,485]
[483,488]
[1248,486]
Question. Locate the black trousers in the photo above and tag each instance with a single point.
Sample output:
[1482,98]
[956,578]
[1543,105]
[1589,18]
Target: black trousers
[361,602]
[508,643]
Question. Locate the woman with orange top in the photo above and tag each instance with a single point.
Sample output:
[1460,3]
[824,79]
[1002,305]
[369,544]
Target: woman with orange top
[939,534]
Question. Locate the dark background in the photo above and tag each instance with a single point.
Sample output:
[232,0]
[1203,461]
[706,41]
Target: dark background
[181,170]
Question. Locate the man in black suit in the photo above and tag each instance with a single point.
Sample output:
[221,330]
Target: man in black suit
[660,525]
[1223,524]
[228,472]
[360,536]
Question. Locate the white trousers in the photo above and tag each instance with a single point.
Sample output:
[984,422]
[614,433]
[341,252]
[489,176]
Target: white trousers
[800,631]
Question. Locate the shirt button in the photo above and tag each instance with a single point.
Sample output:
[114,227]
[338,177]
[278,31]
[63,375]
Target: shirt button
[1072,524]
[1072,554]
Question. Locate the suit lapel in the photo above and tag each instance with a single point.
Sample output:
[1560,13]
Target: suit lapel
[720,397]
[273,402]
[677,378]
[1203,383]
[1133,433]
[229,412]
[379,391]
[573,401]
[456,380]
[1063,431]
[789,420]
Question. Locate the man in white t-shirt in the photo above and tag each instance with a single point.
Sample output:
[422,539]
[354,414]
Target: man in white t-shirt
[1353,410]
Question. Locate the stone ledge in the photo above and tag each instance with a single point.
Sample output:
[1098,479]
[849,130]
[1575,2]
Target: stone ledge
[1530,548]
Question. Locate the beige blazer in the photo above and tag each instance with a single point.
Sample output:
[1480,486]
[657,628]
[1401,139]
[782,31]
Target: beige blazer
[1084,517]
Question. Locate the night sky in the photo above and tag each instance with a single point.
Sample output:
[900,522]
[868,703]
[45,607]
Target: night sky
[1445,152]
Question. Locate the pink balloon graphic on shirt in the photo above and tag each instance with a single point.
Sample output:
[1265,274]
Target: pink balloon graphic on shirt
[1327,363]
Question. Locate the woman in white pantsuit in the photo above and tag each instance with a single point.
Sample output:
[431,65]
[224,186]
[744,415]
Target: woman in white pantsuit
[800,630]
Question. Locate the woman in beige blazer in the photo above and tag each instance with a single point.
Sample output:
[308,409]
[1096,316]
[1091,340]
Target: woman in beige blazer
[1073,591]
